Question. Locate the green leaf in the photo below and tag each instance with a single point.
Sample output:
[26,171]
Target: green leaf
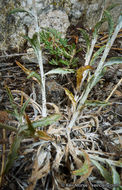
[13,154]
[21,10]
[22,110]
[110,22]
[115,177]
[96,55]
[43,122]
[36,75]
[104,160]
[34,42]
[53,62]
[104,172]
[112,61]
[112,6]
[86,37]
[62,71]
[97,26]
[96,103]
[15,111]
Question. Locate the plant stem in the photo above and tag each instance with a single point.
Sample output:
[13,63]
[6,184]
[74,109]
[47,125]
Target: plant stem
[40,62]
[96,75]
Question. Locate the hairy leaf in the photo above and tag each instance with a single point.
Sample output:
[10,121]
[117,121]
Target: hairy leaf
[112,61]
[110,22]
[43,122]
[96,103]
[104,172]
[62,71]
[96,55]
[86,37]
[13,154]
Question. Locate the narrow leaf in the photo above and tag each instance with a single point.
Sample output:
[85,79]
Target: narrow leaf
[22,111]
[112,6]
[49,120]
[96,103]
[62,71]
[110,22]
[86,169]
[97,26]
[115,177]
[86,37]
[104,172]
[96,55]
[15,112]
[113,60]
[71,97]
[13,154]
[17,10]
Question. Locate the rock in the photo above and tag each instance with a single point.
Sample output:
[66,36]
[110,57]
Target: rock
[54,14]
[53,19]
[54,91]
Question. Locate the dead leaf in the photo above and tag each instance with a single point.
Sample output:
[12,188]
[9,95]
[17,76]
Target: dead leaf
[71,97]
[79,74]
[43,135]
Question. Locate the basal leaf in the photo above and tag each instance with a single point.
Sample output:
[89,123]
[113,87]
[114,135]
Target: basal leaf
[43,122]
[112,61]
[115,177]
[71,97]
[86,169]
[96,103]
[79,74]
[104,172]
[62,71]
[13,154]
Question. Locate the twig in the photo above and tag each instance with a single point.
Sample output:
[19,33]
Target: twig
[15,54]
